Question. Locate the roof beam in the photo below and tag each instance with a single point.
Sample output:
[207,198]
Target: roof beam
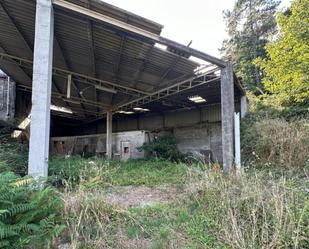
[78,77]
[72,99]
[66,64]
[118,63]
[138,31]
[142,67]
[2,49]
[92,54]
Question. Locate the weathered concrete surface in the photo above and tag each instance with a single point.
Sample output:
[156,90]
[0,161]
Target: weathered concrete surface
[227,117]
[199,139]
[41,89]
[96,144]
[196,130]
[7,98]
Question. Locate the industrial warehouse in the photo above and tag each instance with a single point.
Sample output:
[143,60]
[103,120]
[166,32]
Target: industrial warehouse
[88,77]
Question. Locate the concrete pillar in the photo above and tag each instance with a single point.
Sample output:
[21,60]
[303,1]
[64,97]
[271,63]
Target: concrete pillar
[41,89]
[227,117]
[237,140]
[243,106]
[109,131]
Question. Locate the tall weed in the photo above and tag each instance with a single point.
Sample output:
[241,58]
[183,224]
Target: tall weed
[276,142]
[252,211]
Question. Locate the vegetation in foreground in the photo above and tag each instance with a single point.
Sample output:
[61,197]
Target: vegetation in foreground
[29,216]
[266,207]
[254,210]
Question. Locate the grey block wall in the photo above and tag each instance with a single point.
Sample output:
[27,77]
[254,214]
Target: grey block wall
[7,98]
[96,144]
[200,138]
[196,130]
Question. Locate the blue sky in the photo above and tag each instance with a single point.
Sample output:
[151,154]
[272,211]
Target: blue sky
[198,20]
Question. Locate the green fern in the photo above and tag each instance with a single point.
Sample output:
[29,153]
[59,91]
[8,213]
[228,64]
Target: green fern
[29,217]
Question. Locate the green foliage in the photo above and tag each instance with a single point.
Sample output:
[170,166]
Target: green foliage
[29,217]
[13,156]
[97,172]
[287,66]
[163,147]
[249,25]
[275,135]
[66,170]
[277,143]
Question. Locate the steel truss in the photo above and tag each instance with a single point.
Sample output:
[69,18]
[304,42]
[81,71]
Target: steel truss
[21,62]
[198,80]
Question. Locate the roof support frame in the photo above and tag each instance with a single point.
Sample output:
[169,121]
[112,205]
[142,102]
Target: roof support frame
[195,81]
[72,99]
[172,65]
[117,69]
[83,78]
[79,112]
[60,51]
[17,28]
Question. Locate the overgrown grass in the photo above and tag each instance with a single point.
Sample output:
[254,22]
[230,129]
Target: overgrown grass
[265,207]
[256,210]
[277,143]
[109,173]
[275,136]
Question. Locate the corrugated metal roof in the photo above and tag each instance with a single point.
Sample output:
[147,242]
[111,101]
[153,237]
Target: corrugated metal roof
[91,48]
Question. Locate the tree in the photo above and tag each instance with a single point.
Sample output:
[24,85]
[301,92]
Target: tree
[287,66]
[249,25]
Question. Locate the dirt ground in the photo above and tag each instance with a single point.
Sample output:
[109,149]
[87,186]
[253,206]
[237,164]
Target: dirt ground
[140,196]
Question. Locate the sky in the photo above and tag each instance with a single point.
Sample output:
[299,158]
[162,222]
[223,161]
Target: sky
[184,20]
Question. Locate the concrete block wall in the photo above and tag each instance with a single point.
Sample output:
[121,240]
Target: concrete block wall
[167,120]
[196,130]
[96,144]
[200,138]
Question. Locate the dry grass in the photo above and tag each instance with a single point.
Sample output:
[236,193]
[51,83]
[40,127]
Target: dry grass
[253,211]
[88,220]
[248,211]
[276,142]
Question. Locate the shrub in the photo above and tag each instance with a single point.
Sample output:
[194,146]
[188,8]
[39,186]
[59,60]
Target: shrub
[29,217]
[275,135]
[277,142]
[163,147]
